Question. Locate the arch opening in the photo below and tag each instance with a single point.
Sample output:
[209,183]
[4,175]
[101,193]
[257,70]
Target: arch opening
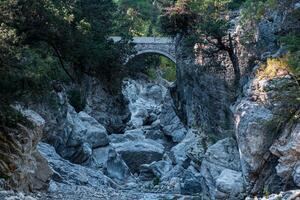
[155,64]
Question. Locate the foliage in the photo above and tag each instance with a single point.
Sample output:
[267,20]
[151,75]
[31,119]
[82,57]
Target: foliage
[10,117]
[151,73]
[168,69]
[274,67]
[48,41]
[292,42]
[76,31]
[77,99]
[142,16]
[255,10]
[178,18]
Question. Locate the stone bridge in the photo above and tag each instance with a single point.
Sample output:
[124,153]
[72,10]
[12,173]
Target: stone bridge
[160,45]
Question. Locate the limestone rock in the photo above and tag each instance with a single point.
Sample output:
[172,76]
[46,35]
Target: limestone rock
[22,166]
[191,183]
[155,169]
[72,174]
[179,153]
[145,101]
[219,157]
[230,185]
[170,122]
[136,153]
[287,149]
[254,130]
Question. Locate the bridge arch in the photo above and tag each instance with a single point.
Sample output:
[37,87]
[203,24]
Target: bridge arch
[160,45]
[155,51]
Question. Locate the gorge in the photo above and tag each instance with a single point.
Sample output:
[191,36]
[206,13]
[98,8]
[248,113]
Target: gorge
[211,114]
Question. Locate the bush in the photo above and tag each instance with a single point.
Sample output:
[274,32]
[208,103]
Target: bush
[77,99]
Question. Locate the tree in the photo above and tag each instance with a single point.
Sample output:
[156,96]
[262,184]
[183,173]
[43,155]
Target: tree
[207,21]
[76,30]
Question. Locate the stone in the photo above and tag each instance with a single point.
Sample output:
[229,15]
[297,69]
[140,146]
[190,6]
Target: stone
[73,174]
[136,153]
[82,154]
[191,183]
[85,129]
[115,167]
[286,149]
[231,183]
[170,122]
[179,153]
[155,169]
[222,155]
[144,101]
[22,166]
[253,132]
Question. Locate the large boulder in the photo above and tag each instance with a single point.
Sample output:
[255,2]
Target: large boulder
[221,156]
[230,185]
[68,173]
[254,129]
[82,133]
[180,153]
[191,182]
[85,129]
[136,153]
[110,162]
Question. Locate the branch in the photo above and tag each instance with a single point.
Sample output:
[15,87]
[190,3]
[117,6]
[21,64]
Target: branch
[61,61]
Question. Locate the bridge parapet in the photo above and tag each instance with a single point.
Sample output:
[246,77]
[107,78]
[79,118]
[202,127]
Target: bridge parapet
[161,45]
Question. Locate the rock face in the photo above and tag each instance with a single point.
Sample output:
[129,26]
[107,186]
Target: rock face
[170,122]
[22,166]
[286,148]
[253,134]
[259,118]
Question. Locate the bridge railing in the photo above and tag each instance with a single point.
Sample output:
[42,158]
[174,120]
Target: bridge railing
[146,40]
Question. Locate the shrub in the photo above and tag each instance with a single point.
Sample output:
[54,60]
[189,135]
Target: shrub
[77,99]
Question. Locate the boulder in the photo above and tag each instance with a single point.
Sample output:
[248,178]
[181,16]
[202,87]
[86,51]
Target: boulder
[110,162]
[96,134]
[136,153]
[191,182]
[73,174]
[179,153]
[230,185]
[115,167]
[85,129]
[254,128]
[220,156]
[155,169]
